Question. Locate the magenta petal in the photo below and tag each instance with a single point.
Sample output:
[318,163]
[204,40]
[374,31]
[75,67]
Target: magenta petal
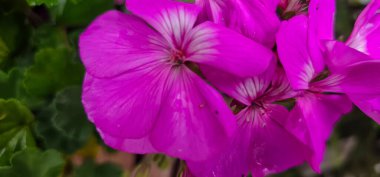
[312,121]
[115,43]
[212,10]
[138,146]
[370,106]
[125,106]
[294,53]
[361,78]
[195,122]
[366,34]
[341,56]
[244,90]
[260,146]
[243,16]
[165,109]
[322,15]
[172,19]
[216,46]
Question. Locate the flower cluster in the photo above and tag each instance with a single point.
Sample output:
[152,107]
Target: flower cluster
[232,87]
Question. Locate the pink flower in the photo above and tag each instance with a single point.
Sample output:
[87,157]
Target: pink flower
[256,19]
[315,113]
[261,144]
[139,90]
[301,51]
[361,52]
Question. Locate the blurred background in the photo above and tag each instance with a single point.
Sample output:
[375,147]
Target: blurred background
[44,131]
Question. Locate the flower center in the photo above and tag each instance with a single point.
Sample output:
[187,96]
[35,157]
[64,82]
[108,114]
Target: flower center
[177,57]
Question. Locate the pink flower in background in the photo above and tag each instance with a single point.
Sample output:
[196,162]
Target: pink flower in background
[300,48]
[315,113]
[140,92]
[242,16]
[261,144]
[361,53]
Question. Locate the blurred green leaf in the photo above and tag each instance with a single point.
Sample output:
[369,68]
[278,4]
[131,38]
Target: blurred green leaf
[63,125]
[33,163]
[53,70]
[40,2]
[83,12]
[90,169]
[14,32]
[48,36]
[4,51]
[15,134]
[70,117]
[10,83]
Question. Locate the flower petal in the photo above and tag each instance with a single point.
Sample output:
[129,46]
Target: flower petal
[170,18]
[321,15]
[216,46]
[212,10]
[260,146]
[366,34]
[137,146]
[164,109]
[128,105]
[361,78]
[245,90]
[370,106]
[116,42]
[195,122]
[294,53]
[340,56]
[312,121]
[243,17]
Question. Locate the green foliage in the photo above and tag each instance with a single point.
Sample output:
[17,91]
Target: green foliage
[54,69]
[34,163]
[39,2]
[4,51]
[15,134]
[81,13]
[89,169]
[63,125]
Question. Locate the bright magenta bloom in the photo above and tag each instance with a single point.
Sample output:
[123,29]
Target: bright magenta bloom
[362,49]
[320,102]
[140,92]
[256,19]
[262,144]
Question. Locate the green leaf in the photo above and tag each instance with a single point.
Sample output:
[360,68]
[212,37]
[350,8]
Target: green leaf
[81,13]
[53,70]
[33,163]
[4,51]
[70,117]
[40,2]
[14,32]
[48,36]
[15,134]
[10,83]
[63,125]
[89,169]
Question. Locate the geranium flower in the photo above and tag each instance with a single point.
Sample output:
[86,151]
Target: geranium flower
[320,102]
[262,144]
[363,49]
[139,90]
[256,19]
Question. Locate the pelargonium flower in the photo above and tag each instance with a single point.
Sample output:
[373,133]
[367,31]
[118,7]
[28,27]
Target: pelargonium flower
[242,16]
[320,102]
[363,47]
[139,90]
[262,144]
